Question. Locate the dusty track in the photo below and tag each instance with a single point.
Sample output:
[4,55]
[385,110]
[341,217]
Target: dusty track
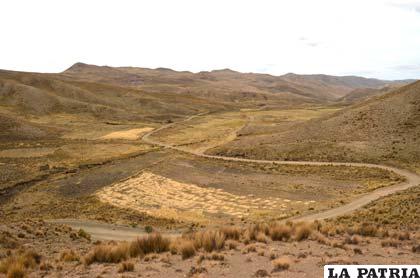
[115,232]
[412,179]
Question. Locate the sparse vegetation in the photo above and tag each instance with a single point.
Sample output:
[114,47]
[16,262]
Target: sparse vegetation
[282,263]
[126,267]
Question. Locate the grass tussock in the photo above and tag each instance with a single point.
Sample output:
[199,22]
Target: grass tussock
[302,231]
[280,232]
[107,253]
[231,232]
[152,243]
[281,264]
[390,243]
[210,240]
[126,267]
[184,247]
[17,264]
[354,239]
[69,256]
[111,253]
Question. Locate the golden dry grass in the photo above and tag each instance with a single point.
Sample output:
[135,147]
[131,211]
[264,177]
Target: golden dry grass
[282,263]
[126,267]
[69,256]
[107,253]
[210,240]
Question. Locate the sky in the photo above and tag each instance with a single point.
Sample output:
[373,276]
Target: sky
[370,38]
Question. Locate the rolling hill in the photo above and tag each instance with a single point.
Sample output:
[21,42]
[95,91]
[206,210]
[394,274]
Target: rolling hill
[383,128]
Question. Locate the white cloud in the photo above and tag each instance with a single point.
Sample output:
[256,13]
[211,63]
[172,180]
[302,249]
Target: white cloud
[339,37]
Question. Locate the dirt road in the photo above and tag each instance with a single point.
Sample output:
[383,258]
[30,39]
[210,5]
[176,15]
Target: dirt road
[103,231]
[412,179]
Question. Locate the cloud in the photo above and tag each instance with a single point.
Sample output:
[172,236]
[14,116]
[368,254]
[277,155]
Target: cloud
[408,5]
[308,42]
[411,68]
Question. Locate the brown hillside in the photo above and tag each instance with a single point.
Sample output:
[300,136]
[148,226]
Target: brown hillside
[384,128]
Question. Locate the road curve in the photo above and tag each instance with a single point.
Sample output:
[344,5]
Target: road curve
[103,231]
[412,179]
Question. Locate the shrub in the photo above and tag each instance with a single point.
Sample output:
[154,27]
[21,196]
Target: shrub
[280,232]
[231,244]
[282,263]
[256,229]
[210,240]
[261,237]
[231,232]
[148,229]
[366,230]
[390,243]
[402,235]
[16,270]
[15,266]
[320,238]
[416,248]
[354,239]
[82,233]
[152,243]
[125,267]
[186,249]
[106,253]
[69,256]
[302,231]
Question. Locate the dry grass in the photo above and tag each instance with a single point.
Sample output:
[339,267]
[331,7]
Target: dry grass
[281,264]
[82,233]
[106,253]
[320,238]
[354,239]
[231,244]
[231,232]
[126,267]
[280,232]
[302,231]
[16,270]
[402,235]
[69,256]
[211,240]
[390,243]
[184,247]
[17,264]
[152,243]
[261,237]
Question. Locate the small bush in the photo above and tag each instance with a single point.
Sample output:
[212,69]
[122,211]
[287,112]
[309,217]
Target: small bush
[402,235]
[320,238]
[148,229]
[231,232]
[187,249]
[16,270]
[366,230]
[390,243]
[126,267]
[302,231]
[354,239]
[282,263]
[261,237]
[108,254]
[152,243]
[69,256]
[280,232]
[231,244]
[210,240]
[82,233]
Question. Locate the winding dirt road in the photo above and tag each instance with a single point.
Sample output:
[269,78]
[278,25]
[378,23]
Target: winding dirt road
[104,231]
[412,179]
